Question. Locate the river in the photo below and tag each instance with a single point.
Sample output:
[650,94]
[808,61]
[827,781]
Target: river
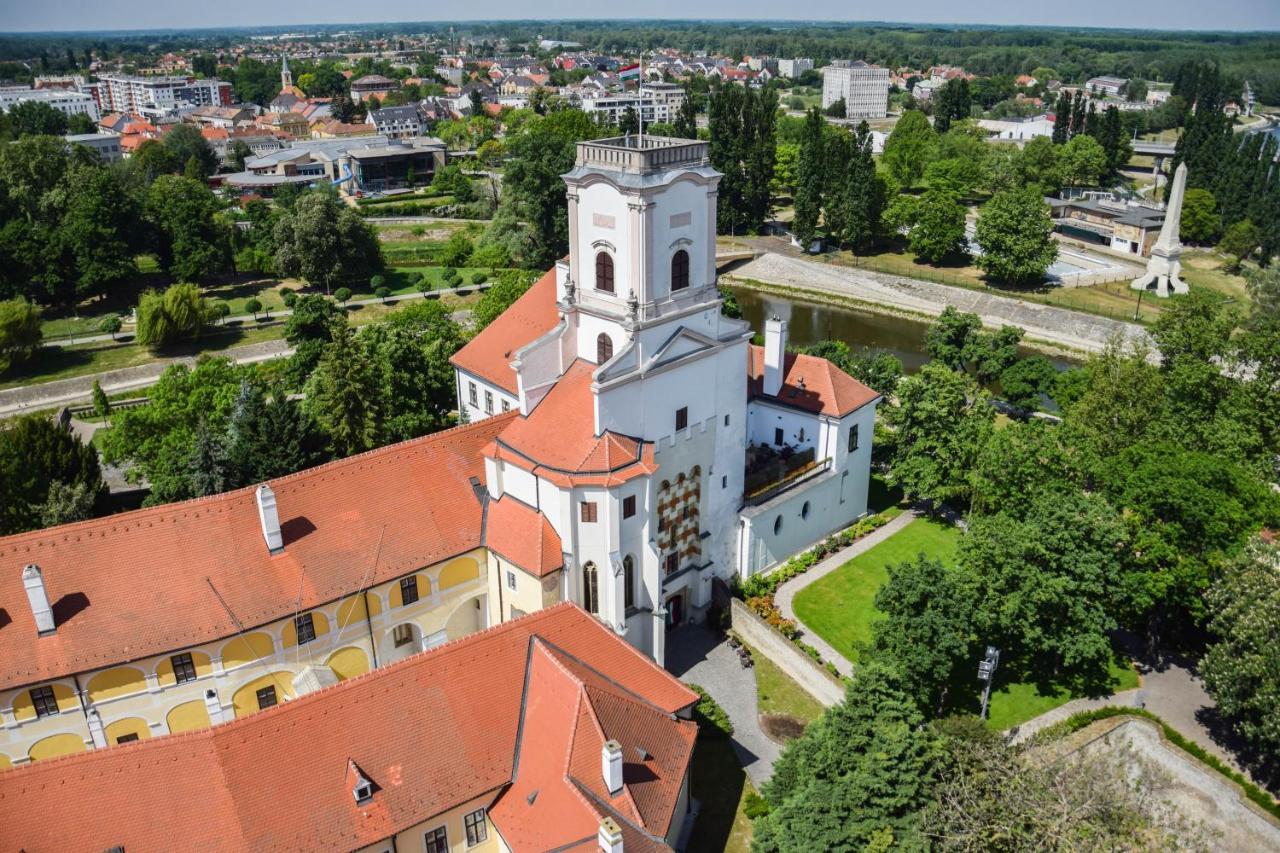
[809,322]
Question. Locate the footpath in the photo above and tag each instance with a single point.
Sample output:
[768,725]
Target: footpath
[1060,327]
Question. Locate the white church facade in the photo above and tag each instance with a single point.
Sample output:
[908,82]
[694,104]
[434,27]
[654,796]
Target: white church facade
[661,448]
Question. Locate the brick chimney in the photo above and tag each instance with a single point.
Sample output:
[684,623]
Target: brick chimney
[38,598]
[270,519]
[611,765]
[775,354]
[609,836]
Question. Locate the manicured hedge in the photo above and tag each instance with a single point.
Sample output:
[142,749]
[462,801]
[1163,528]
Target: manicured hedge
[758,586]
[1076,722]
[712,720]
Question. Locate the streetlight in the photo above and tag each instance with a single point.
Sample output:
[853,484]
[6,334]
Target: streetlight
[986,673]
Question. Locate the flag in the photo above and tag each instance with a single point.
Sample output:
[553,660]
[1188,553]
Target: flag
[631,72]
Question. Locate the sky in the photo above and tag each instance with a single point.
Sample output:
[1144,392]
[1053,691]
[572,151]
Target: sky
[27,15]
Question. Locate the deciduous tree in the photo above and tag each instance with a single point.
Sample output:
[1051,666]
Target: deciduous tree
[1014,232]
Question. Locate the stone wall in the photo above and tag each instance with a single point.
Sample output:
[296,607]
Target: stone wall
[807,672]
[1197,791]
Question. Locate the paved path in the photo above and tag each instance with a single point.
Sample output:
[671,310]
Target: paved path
[786,595]
[696,655]
[1058,326]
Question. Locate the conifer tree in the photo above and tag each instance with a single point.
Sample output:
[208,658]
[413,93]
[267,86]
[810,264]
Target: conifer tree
[809,178]
[686,123]
[341,394]
[1062,119]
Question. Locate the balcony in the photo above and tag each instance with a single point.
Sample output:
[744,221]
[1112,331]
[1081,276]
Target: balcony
[641,154]
[772,470]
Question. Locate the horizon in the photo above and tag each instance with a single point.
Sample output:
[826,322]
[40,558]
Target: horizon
[1262,16]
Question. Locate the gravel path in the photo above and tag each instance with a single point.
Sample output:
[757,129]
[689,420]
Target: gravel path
[1059,326]
[786,595]
[696,655]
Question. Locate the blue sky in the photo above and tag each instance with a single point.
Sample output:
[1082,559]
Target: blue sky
[27,15]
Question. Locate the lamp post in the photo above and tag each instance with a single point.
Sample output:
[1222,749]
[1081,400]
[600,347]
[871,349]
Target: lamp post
[986,674]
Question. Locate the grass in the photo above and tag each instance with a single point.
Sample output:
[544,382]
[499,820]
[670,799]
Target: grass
[721,785]
[1014,703]
[841,609]
[780,694]
[841,606]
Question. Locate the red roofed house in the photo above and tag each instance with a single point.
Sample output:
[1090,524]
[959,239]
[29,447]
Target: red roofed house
[652,443]
[546,733]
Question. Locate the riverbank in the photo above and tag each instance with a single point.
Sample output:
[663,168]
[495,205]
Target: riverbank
[1048,328]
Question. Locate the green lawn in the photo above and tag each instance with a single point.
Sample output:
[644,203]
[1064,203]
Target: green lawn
[1014,704]
[721,785]
[841,607]
[780,694]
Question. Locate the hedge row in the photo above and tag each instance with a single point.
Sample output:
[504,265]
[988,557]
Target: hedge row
[767,584]
[712,720]
[1076,722]
[370,201]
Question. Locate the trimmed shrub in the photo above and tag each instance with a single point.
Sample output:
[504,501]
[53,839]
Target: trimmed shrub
[712,720]
[479,278]
[343,295]
[383,293]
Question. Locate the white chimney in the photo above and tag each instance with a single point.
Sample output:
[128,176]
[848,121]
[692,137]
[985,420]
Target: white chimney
[95,729]
[270,519]
[609,836]
[775,353]
[33,580]
[213,706]
[611,765]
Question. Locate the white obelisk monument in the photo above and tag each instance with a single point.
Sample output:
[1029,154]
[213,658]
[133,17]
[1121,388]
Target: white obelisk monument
[1165,266]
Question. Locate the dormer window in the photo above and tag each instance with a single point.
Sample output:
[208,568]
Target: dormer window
[604,272]
[680,270]
[364,792]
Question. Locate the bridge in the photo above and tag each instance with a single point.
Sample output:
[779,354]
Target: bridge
[1155,149]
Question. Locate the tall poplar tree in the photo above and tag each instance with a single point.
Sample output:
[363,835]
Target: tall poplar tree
[809,178]
[1062,119]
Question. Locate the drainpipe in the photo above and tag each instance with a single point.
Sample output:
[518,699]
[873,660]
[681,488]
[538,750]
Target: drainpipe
[373,645]
[84,708]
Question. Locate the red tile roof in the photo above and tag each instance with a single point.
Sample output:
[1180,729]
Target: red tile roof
[519,533]
[809,383]
[488,355]
[434,731]
[137,584]
[558,439]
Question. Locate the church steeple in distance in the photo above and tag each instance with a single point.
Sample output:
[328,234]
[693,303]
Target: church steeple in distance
[286,77]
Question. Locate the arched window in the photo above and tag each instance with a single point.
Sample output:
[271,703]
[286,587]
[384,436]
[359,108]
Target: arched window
[629,580]
[777,525]
[590,588]
[604,348]
[680,270]
[604,272]
[804,510]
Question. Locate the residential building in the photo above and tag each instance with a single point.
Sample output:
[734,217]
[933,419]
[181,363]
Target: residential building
[372,86]
[224,117]
[864,88]
[547,733]
[655,451]
[398,122]
[451,74]
[760,63]
[154,97]
[65,101]
[105,145]
[654,102]
[394,165]
[291,124]
[794,68]
[332,128]
[1109,87]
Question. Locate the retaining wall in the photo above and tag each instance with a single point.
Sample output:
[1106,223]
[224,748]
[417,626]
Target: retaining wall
[807,672]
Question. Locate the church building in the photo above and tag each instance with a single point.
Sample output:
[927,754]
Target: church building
[655,449]
[624,447]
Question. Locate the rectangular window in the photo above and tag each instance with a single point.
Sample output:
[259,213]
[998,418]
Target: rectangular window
[477,830]
[402,635]
[670,563]
[129,738]
[724,481]
[409,590]
[777,436]
[436,841]
[266,698]
[511,580]
[506,405]
[45,702]
[588,511]
[306,628]
[682,418]
[628,506]
[184,669]
[853,438]
[473,394]
[726,420]
[488,402]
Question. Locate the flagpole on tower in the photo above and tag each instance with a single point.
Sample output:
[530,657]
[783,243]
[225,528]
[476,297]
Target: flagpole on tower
[640,101]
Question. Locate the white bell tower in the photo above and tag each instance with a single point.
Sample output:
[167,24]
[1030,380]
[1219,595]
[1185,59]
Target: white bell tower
[642,229]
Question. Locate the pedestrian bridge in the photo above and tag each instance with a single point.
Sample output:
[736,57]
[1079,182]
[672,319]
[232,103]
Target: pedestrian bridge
[1155,149]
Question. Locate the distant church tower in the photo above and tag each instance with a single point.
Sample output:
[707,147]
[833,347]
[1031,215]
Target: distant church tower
[286,76]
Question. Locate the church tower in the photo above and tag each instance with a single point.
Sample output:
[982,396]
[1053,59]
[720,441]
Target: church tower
[286,76]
